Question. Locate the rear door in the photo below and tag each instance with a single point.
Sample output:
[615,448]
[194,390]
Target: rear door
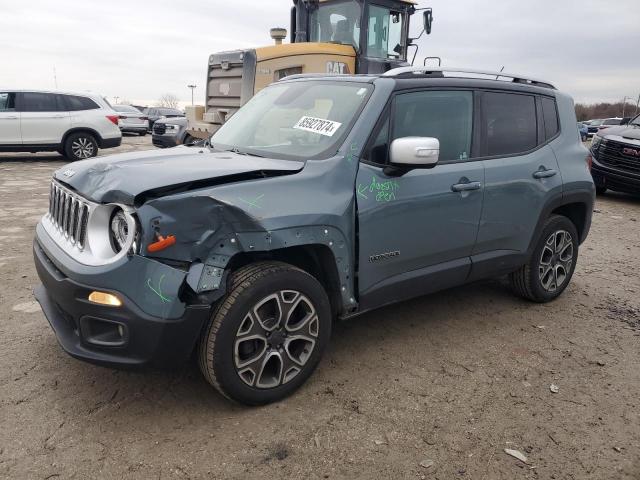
[521,171]
[417,231]
[9,120]
[43,118]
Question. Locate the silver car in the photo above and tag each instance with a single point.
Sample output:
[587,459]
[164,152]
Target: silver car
[132,120]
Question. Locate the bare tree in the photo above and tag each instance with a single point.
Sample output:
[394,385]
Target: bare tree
[125,101]
[168,100]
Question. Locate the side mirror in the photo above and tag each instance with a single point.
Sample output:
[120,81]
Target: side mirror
[428,20]
[417,152]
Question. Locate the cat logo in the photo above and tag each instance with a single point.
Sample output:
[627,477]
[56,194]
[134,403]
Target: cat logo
[337,67]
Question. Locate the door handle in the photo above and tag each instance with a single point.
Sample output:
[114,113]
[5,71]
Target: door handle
[544,173]
[8,118]
[466,187]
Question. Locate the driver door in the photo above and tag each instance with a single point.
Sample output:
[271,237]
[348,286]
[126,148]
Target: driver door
[417,230]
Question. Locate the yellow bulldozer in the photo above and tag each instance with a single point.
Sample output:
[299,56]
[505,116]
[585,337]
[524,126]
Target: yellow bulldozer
[327,36]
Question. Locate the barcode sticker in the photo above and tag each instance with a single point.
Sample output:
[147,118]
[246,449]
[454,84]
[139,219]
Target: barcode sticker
[318,125]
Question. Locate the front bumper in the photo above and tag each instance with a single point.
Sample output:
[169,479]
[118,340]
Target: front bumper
[166,141]
[613,179]
[125,336]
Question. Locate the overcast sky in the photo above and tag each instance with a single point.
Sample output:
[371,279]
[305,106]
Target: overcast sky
[141,49]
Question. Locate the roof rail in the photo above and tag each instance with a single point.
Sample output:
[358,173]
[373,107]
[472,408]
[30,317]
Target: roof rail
[440,72]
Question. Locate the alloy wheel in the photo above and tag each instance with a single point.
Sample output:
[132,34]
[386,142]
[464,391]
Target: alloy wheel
[82,148]
[556,260]
[276,339]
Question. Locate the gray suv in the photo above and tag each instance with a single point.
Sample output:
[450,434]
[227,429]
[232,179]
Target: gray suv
[321,199]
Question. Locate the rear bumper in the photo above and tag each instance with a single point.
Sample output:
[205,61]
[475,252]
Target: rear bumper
[124,336]
[613,179]
[110,142]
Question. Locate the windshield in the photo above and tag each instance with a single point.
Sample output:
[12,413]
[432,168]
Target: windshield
[596,123]
[169,111]
[337,22]
[298,120]
[384,38]
[612,121]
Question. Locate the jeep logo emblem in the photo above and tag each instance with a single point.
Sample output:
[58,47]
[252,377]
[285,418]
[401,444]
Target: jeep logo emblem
[634,152]
[69,173]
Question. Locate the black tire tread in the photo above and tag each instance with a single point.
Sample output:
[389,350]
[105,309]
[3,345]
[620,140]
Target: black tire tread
[240,280]
[520,280]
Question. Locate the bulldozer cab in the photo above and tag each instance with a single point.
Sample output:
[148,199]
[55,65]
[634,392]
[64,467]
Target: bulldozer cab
[377,30]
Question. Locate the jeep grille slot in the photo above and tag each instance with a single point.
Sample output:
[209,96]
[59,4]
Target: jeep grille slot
[69,213]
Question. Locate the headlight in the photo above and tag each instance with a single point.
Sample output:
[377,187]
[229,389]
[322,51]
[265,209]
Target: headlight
[119,230]
[111,232]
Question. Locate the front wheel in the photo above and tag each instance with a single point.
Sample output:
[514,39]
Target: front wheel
[267,335]
[80,146]
[552,263]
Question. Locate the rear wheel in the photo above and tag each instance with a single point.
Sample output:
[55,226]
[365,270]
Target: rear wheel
[552,263]
[80,146]
[600,190]
[143,133]
[267,335]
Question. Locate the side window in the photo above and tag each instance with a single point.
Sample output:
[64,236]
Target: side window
[550,115]
[509,123]
[41,102]
[7,102]
[445,115]
[76,103]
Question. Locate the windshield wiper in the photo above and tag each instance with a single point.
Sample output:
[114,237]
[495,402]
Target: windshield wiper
[236,150]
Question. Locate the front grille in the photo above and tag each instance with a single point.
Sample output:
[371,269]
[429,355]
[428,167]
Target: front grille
[159,128]
[69,213]
[610,153]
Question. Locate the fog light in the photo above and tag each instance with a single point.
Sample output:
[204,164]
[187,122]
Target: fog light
[105,299]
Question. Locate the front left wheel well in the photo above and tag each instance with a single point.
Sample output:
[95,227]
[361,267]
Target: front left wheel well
[317,260]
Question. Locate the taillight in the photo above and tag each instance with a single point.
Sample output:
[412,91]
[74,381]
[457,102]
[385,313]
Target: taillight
[589,160]
[113,119]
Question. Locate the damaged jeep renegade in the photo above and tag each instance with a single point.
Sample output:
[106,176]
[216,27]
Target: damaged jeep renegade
[322,198]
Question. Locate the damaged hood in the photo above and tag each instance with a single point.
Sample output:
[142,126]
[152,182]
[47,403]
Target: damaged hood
[123,177]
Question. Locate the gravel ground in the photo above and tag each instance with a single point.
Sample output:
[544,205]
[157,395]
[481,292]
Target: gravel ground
[432,388]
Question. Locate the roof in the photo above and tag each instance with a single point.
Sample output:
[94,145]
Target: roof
[61,92]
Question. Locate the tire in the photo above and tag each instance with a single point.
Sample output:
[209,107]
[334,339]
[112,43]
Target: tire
[552,263]
[600,190]
[143,134]
[80,146]
[272,314]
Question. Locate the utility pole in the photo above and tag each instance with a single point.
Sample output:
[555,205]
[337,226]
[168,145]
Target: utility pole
[624,104]
[192,87]
[55,77]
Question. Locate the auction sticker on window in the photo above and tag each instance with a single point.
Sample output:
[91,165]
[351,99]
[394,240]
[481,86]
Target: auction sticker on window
[318,125]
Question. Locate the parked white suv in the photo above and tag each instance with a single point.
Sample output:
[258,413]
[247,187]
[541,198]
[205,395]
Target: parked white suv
[74,124]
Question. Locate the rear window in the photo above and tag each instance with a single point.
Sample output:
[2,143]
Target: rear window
[550,115]
[41,102]
[76,103]
[126,108]
[509,123]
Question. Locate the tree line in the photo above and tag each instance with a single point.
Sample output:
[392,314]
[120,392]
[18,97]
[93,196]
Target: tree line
[605,110]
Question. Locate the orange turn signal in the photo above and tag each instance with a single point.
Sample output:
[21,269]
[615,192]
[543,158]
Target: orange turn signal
[162,243]
[103,298]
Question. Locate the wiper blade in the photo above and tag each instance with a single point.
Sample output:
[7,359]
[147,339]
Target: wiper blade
[237,151]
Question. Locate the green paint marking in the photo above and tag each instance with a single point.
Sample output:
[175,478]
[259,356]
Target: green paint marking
[354,147]
[253,203]
[361,190]
[158,292]
[385,191]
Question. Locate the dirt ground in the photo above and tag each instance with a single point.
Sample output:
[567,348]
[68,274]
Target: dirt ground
[433,388]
